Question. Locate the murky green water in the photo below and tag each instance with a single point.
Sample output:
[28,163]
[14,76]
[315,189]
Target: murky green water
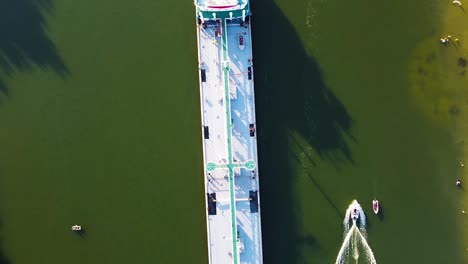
[113,145]
[100,127]
[335,84]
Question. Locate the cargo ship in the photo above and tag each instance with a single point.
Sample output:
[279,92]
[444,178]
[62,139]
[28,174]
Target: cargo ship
[229,131]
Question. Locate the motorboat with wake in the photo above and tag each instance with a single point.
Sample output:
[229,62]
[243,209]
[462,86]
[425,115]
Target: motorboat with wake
[375,206]
[355,216]
[354,211]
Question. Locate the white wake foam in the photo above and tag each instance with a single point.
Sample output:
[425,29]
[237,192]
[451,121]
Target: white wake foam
[355,246]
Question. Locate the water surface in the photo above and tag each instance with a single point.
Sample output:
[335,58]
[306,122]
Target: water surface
[340,120]
[100,126]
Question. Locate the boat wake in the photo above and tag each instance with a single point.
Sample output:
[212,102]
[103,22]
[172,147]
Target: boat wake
[355,246]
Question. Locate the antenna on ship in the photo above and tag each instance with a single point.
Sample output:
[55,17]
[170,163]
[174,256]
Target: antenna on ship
[230,15]
[214,15]
[243,15]
[201,16]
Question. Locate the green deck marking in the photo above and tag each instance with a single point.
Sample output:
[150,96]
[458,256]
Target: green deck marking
[250,164]
[221,166]
[229,134]
[211,166]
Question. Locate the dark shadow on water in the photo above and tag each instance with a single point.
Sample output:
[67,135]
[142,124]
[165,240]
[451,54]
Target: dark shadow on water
[24,41]
[3,88]
[291,96]
[3,258]
[326,197]
[81,233]
[381,214]
[308,240]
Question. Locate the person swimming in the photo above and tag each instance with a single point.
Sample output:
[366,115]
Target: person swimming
[458,182]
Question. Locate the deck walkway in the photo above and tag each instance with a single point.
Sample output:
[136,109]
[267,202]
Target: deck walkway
[230,144]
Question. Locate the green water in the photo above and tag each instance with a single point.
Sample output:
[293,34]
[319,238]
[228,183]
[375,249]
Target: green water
[114,145]
[339,122]
[100,126]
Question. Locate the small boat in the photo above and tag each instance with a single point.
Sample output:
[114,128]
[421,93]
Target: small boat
[354,214]
[355,208]
[375,206]
[241,42]
[76,228]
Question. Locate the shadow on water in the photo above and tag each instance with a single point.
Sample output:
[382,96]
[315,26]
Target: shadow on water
[381,214]
[81,233]
[326,196]
[24,41]
[3,88]
[371,216]
[291,95]
[3,258]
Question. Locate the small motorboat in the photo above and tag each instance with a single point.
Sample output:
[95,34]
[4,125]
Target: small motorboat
[375,206]
[241,43]
[354,211]
[354,214]
[76,228]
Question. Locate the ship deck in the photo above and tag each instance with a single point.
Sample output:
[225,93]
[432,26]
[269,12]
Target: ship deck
[229,144]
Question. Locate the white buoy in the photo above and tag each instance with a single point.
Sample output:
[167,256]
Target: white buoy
[457,3]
